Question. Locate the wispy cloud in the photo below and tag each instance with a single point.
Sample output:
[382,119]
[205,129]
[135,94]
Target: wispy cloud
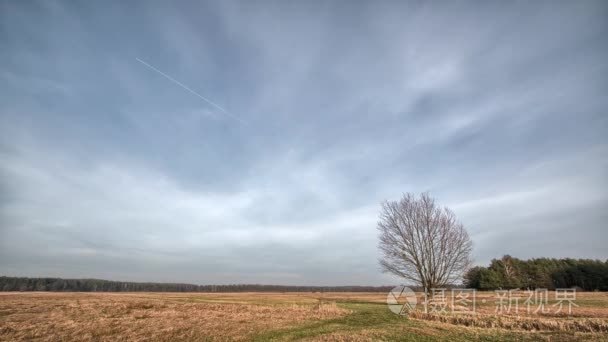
[497,109]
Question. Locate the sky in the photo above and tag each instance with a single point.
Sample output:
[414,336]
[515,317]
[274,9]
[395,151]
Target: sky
[253,142]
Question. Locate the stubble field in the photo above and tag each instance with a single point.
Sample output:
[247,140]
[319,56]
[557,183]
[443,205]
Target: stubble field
[48,316]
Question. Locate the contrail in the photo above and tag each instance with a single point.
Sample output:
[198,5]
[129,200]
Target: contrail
[191,91]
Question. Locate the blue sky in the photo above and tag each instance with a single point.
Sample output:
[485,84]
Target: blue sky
[110,170]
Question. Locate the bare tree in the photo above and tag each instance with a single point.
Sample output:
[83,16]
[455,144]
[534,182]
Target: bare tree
[422,242]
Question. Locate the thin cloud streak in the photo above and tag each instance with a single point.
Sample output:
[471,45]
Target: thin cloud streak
[190,90]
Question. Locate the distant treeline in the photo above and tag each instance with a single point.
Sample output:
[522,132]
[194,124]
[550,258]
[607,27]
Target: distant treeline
[98,285]
[512,273]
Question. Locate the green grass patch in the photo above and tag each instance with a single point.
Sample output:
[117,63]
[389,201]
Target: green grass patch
[370,321]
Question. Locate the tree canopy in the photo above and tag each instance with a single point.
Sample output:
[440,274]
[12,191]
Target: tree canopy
[99,285]
[511,273]
[423,242]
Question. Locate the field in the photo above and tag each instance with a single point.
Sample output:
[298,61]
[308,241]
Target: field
[47,316]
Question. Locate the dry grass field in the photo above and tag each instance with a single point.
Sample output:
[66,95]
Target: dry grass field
[47,316]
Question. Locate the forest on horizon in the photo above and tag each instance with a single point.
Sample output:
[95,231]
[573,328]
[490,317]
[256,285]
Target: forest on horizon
[504,273]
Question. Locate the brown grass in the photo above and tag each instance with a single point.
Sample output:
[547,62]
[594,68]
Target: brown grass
[590,316]
[521,323]
[47,316]
[136,317]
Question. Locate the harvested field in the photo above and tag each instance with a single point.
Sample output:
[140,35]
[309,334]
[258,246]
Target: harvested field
[46,316]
